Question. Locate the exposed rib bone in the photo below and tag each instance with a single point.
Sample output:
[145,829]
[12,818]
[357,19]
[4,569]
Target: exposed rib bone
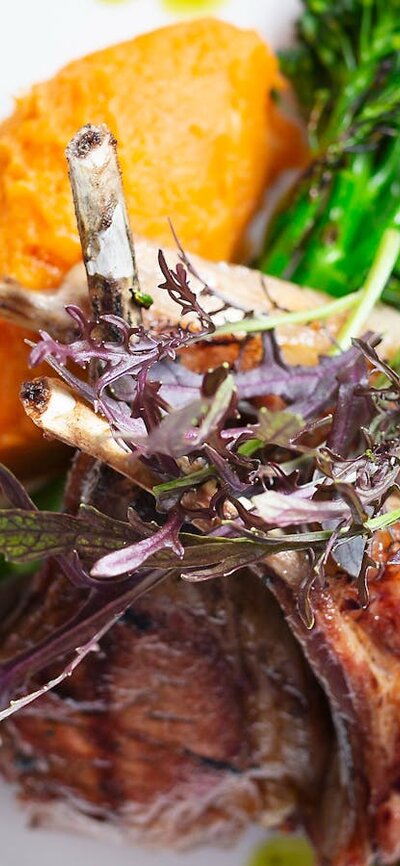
[102,219]
[54,408]
[109,258]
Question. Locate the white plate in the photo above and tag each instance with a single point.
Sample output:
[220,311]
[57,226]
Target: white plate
[39,36]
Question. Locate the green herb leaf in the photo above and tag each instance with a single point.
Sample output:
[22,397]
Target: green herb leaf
[26,536]
[274,428]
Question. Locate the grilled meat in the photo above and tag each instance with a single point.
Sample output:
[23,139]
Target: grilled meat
[354,653]
[203,710]
[198,714]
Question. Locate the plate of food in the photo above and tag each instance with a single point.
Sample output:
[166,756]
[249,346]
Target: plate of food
[199,437]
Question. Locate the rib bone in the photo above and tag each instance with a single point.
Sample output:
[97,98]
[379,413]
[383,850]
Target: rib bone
[102,220]
[54,408]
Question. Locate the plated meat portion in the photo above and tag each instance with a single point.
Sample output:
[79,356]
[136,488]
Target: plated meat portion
[354,653]
[202,709]
[198,714]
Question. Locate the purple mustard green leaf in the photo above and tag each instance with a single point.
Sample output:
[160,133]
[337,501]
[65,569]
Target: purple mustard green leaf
[308,390]
[130,558]
[354,408]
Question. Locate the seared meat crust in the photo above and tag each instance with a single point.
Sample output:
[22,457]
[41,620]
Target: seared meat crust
[355,655]
[197,715]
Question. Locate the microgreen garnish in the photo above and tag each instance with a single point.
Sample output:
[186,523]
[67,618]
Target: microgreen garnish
[229,475]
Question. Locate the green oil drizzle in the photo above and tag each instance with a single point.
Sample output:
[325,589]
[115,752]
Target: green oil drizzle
[283,851]
[191,5]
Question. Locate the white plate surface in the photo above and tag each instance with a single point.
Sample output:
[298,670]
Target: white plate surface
[38,37]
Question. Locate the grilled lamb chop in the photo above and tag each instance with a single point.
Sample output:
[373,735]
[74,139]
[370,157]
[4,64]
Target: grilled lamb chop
[198,714]
[194,717]
[203,709]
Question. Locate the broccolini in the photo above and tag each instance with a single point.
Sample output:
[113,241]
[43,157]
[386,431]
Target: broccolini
[346,71]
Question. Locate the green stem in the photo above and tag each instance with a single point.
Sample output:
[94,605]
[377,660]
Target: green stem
[298,317]
[191,480]
[363,301]
[316,537]
[382,267]
[383,520]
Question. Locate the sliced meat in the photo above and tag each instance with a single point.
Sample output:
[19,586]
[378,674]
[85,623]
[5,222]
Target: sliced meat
[198,714]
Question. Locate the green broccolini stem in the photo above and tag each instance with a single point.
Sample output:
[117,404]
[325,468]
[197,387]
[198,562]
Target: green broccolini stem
[346,70]
[384,262]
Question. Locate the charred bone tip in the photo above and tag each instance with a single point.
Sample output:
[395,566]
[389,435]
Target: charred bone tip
[60,414]
[35,396]
[103,222]
[88,139]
